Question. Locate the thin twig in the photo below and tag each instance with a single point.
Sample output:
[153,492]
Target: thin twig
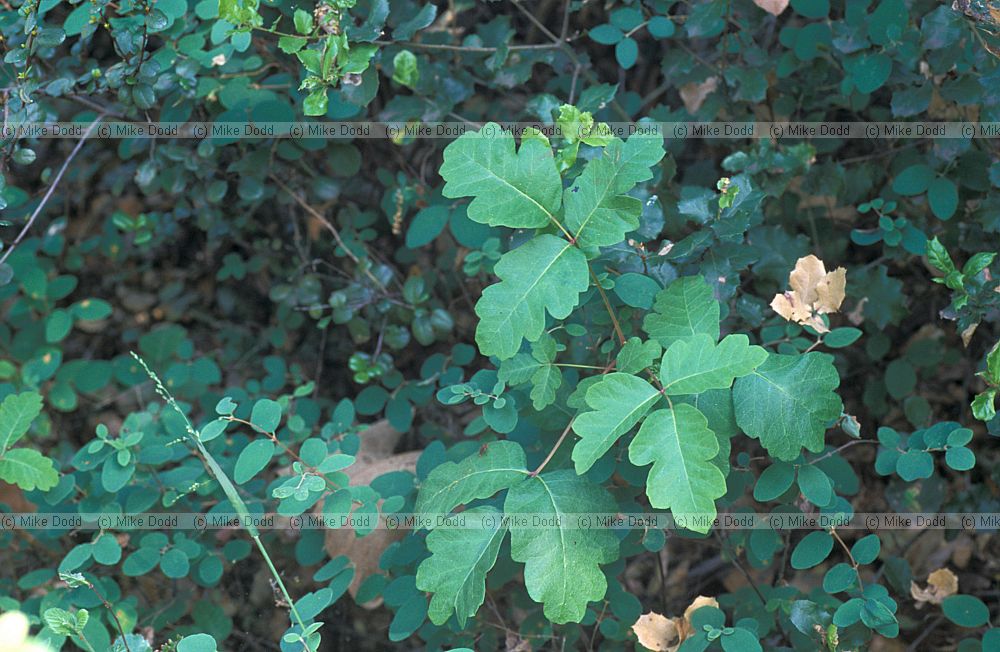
[329,227]
[468,48]
[52,187]
[552,452]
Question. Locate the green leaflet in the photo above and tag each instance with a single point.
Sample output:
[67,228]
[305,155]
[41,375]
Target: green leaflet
[521,190]
[717,407]
[618,402]
[28,469]
[696,364]
[547,380]
[16,414]
[636,355]
[456,570]
[787,401]
[562,564]
[684,308]
[451,484]
[546,273]
[597,212]
[683,478]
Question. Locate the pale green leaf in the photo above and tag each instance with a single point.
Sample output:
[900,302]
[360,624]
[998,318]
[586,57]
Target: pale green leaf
[546,273]
[787,401]
[481,475]
[684,308]
[518,369]
[598,213]
[546,380]
[562,563]
[618,402]
[697,364]
[636,355]
[16,414]
[456,570]
[520,190]
[684,477]
[28,469]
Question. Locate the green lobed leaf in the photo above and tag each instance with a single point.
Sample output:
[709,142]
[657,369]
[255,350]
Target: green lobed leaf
[16,414]
[597,211]
[681,447]
[520,189]
[617,401]
[546,274]
[636,355]
[684,308]
[456,570]
[562,563]
[500,466]
[28,469]
[697,364]
[787,401]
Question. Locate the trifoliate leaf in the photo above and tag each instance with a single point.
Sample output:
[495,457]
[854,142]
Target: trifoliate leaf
[546,274]
[521,190]
[597,211]
[28,469]
[683,478]
[698,364]
[481,475]
[456,570]
[787,401]
[562,563]
[618,402]
[685,308]
[16,414]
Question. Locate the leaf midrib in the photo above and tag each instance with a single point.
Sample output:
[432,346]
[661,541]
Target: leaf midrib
[496,176]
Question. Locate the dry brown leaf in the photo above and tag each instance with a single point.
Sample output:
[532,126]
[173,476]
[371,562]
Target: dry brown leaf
[773,7]
[374,458]
[657,632]
[940,584]
[814,292]
[693,95]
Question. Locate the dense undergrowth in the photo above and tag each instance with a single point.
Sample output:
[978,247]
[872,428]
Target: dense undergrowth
[574,323]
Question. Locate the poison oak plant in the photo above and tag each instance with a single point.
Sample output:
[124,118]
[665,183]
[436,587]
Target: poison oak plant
[675,326]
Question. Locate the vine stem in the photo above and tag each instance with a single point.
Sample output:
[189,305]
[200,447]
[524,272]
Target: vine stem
[607,305]
[107,605]
[552,452]
[857,572]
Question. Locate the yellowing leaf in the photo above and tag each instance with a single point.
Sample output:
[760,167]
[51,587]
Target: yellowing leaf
[814,292]
[773,7]
[940,584]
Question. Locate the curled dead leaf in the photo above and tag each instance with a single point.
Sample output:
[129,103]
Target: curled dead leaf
[374,458]
[940,584]
[693,95]
[657,632]
[814,292]
[773,7]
